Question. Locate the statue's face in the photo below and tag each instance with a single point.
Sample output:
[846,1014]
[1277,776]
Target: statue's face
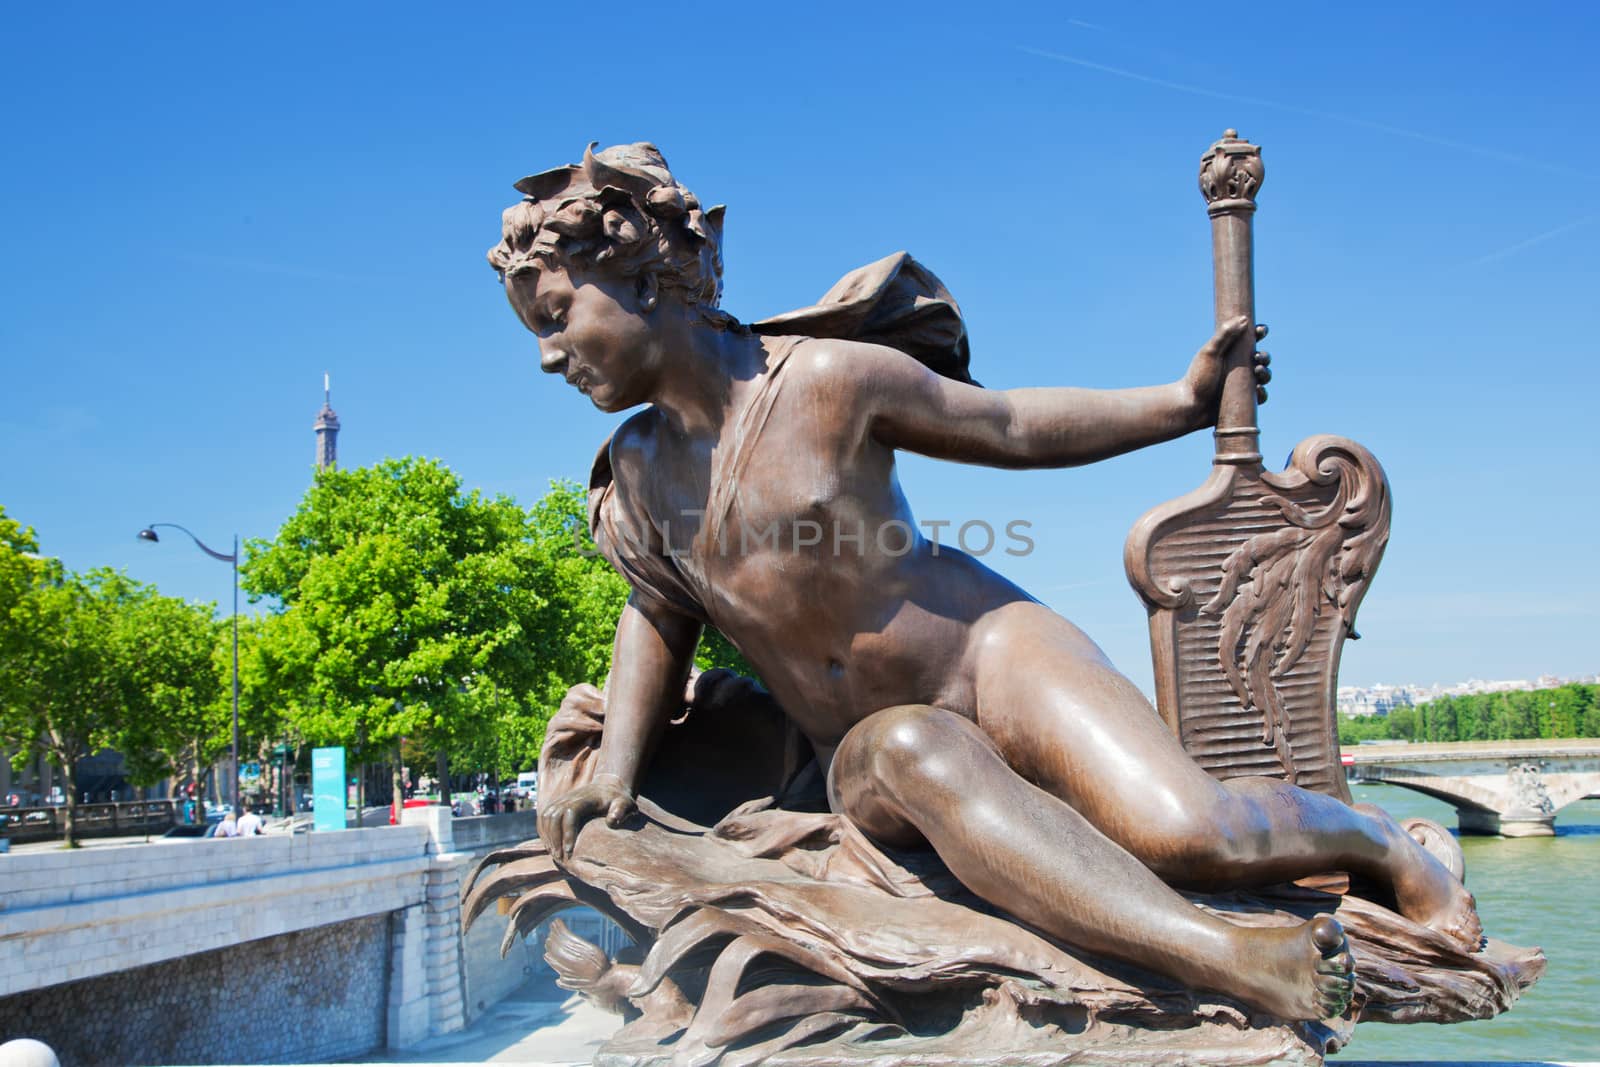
[591,330]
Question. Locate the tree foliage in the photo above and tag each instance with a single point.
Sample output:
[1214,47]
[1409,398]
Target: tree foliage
[1571,710]
[183,721]
[409,607]
[92,661]
[403,605]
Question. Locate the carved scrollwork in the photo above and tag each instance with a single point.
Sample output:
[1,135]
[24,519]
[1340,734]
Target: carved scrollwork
[1527,786]
[1278,583]
[1231,173]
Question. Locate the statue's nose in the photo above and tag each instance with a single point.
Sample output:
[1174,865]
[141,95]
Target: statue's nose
[552,358]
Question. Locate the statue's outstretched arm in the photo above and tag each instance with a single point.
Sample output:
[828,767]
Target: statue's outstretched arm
[650,663]
[908,406]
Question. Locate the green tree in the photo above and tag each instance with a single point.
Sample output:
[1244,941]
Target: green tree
[1473,717]
[408,607]
[86,661]
[183,724]
[1440,719]
[403,602]
[1402,725]
[266,694]
[20,566]
[62,695]
[1354,729]
[1566,711]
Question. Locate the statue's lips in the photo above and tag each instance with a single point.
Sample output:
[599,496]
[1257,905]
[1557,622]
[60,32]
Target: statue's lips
[580,382]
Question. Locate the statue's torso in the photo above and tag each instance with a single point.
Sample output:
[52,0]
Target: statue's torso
[812,564]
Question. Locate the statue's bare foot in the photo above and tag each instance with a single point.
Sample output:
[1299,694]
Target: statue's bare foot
[1303,972]
[1426,890]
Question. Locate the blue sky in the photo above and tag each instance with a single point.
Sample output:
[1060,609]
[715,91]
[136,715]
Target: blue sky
[208,208]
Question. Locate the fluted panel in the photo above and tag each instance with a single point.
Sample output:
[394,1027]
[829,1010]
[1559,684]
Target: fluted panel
[1252,583]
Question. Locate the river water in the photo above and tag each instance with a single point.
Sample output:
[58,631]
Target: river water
[1541,891]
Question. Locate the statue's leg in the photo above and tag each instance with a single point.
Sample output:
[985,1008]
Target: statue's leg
[915,774]
[1065,719]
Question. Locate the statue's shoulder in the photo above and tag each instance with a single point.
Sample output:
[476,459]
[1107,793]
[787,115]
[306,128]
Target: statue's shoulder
[623,457]
[620,523]
[634,442]
[833,360]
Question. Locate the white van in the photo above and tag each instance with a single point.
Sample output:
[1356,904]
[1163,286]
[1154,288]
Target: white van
[528,785]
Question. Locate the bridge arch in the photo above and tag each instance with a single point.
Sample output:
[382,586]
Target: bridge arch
[1513,788]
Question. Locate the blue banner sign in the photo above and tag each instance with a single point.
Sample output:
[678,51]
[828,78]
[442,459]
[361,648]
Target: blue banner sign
[327,788]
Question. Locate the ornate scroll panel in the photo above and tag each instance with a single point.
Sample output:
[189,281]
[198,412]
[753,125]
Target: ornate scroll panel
[1252,584]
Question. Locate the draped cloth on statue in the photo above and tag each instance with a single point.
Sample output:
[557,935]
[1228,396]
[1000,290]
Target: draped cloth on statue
[895,302]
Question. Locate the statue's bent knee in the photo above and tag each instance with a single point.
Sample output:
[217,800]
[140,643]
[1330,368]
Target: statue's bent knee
[897,758]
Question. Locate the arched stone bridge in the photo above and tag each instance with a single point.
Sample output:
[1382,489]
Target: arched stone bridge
[1513,788]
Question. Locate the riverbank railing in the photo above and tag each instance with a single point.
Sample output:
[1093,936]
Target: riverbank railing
[122,819]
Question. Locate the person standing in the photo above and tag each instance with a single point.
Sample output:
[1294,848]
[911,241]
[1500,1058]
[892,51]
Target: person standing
[228,827]
[249,825]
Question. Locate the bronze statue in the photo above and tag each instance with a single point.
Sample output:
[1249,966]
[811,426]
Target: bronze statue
[945,709]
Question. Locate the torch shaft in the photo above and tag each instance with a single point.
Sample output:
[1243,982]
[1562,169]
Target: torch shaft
[1233,285]
[1230,175]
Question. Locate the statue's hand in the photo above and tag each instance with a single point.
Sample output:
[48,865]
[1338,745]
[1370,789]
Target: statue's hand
[560,822]
[1204,379]
[1262,363]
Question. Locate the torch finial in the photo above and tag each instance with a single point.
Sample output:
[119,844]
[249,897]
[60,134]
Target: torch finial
[1231,174]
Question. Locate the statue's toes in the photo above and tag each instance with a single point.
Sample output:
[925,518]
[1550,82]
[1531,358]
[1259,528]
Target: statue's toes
[1327,935]
[1334,995]
[1340,964]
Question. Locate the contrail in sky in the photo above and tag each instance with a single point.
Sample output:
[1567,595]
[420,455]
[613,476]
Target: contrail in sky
[1351,120]
[1531,241]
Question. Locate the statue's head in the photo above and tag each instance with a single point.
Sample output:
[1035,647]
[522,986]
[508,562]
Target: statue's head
[619,213]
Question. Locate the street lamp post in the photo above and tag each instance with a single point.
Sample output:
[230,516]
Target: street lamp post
[149,534]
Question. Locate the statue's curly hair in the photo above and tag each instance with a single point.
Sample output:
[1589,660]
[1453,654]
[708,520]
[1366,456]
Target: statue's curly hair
[621,212]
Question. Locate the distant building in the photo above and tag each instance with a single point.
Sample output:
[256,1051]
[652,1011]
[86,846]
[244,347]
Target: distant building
[327,429]
[1374,699]
[1382,699]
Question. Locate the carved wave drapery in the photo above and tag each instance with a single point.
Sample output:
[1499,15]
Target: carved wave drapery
[782,936]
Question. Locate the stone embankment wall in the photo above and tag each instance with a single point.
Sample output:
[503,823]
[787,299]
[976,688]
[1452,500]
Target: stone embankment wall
[258,950]
[478,834]
[303,997]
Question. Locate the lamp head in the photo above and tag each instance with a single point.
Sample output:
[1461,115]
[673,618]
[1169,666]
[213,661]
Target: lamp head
[148,534]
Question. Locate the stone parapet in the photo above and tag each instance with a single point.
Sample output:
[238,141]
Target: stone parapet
[66,916]
[480,833]
[69,919]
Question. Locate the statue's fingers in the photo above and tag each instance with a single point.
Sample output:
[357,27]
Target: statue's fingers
[1263,374]
[569,831]
[1263,357]
[550,830]
[617,812]
[1261,394]
[1261,331]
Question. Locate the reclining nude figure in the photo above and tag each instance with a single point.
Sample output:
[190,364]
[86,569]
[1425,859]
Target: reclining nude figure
[947,707]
